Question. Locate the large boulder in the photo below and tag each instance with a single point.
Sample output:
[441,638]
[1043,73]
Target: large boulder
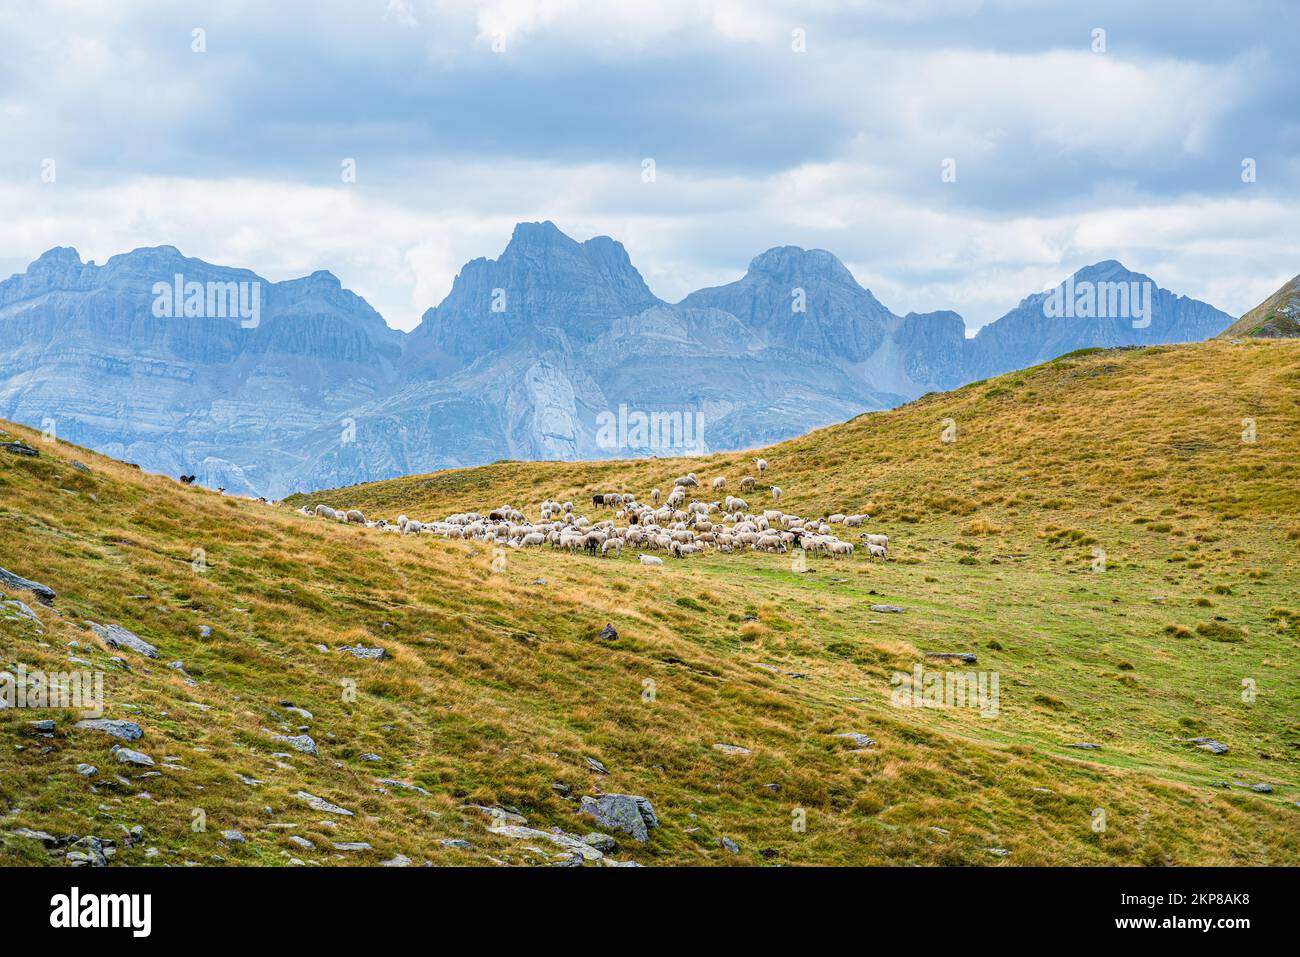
[629,813]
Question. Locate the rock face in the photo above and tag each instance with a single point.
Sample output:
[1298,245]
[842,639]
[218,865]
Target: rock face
[629,813]
[555,350]
[126,730]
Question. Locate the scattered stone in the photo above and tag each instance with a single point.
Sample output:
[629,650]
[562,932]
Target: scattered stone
[964,657]
[90,852]
[368,654]
[597,766]
[941,831]
[401,860]
[730,846]
[1085,746]
[115,636]
[1209,744]
[126,730]
[232,836]
[888,609]
[608,633]
[43,593]
[80,466]
[731,749]
[858,738]
[1260,788]
[629,813]
[19,448]
[320,804]
[49,840]
[369,756]
[299,742]
[302,842]
[457,843]
[394,783]
[565,841]
[559,787]
[538,581]
[998,851]
[352,846]
[302,712]
[772,787]
[127,756]
[87,770]
[41,726]
[205,631]
[601,842]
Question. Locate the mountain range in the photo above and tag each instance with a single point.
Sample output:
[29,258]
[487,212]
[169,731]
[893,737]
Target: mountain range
[530,356]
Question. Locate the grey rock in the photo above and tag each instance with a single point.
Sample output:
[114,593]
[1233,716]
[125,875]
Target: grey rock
[87,770]
[302,842]
[858,738]
[41,726]
[730,846]
[731,749]
[458,843]
[299,742]
[232,836]
[127,756]
[1085,746]
[608,632]
[564,841]
[367,654]
[320,804]
[44,594]
[888,609]
[1209,744]
[597,766]
[126,730]
[88,852]
[962,656]
[394,783]
[352,846]
[601,842]
[115,636]
[370,756]
[628,813]
[49,840]
[399,860]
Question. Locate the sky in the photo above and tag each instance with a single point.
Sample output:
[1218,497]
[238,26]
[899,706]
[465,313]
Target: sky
[955,154]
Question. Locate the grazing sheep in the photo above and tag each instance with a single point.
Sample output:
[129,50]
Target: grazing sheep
[651,560]
[614,545]
[761,465]
[776,494]
[324,511]
[356,517]
[720,482]
[654,495]
[876,551]
[747,484]
[852,521]
[881,540]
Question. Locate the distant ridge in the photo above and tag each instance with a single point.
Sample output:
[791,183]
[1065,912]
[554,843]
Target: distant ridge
[521,360]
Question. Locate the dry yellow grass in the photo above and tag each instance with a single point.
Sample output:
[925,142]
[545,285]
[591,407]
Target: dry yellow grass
[499,689]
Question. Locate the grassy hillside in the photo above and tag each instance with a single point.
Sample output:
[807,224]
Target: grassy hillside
[1276,317]
[499,688]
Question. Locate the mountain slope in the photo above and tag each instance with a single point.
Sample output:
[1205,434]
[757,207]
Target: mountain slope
[499,687]
[1277,317]
[524,358]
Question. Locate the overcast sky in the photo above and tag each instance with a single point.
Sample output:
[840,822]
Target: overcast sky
[465,118]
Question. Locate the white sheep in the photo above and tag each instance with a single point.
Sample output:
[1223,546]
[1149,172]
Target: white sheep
[747,484]
[614,545]
[881,540]
[356,517]
[761,465]
[720,482]
[776,494]
[651,560]
[324,511]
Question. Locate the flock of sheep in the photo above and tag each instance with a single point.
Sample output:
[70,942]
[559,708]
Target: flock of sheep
[676,526]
